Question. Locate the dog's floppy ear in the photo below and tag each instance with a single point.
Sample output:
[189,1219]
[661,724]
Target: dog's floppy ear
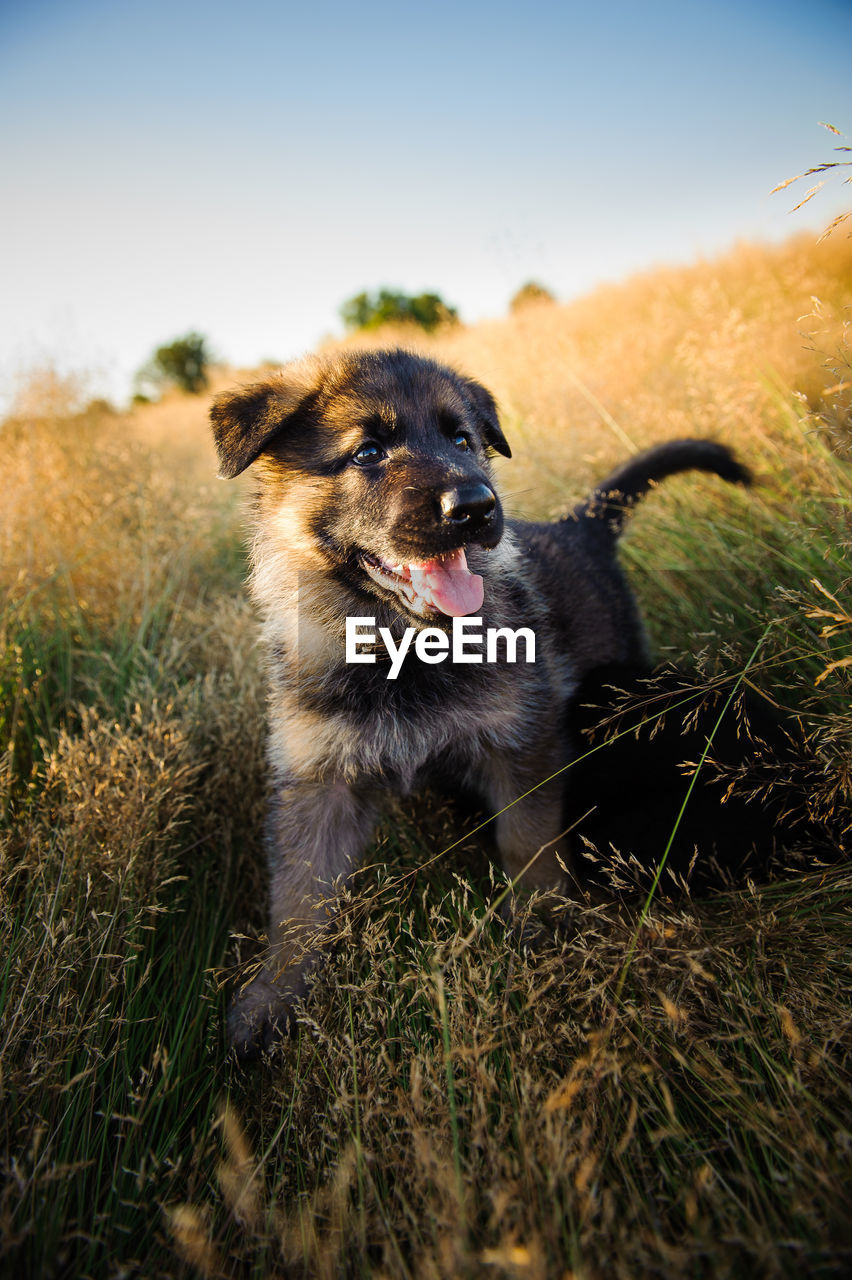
[486,415]
[247,418]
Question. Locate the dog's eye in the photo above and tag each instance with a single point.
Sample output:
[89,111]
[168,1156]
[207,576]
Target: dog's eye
[461,441]
[367,454]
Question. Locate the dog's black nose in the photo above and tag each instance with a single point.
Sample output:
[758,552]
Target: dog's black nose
[468,504]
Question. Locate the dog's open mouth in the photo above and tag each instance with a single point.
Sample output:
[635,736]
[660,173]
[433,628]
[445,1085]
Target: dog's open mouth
[442,585]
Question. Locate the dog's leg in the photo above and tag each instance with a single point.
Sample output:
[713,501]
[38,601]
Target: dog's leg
[316,834]
[529,830]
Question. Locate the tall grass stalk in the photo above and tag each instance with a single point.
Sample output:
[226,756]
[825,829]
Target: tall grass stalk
[441,994]
[696,774]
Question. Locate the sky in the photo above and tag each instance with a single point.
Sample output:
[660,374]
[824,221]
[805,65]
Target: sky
[242,169]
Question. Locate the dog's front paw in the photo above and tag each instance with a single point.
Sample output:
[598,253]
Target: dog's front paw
[260,1014]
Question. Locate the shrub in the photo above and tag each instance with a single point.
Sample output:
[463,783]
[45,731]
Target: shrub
[531,292]
[182,363]
[387,306]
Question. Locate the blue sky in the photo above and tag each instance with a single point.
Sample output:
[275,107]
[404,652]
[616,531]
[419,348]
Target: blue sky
[242,169]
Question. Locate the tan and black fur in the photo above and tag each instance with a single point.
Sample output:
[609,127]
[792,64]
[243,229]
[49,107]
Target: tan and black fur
[367,461]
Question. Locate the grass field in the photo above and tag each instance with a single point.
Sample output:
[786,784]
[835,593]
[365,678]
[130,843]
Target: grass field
[661,1096]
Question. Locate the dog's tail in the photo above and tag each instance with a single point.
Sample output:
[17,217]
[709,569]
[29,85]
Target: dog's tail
[615,496]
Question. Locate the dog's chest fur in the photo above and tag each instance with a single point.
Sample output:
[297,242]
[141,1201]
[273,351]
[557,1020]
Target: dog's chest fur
[330,719]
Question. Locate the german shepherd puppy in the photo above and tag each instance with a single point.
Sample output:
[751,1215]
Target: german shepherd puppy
[376,500]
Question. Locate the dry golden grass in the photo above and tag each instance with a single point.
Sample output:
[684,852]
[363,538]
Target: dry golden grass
[668,1097]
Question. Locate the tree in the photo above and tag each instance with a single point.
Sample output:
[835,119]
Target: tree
[388,306]
[182,363]
[531,292]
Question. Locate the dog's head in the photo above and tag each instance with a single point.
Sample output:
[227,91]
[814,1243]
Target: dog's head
[387,456]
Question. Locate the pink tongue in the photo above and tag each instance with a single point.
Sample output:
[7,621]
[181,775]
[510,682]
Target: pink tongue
[448,584]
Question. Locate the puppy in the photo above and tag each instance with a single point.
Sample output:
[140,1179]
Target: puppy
[376,500]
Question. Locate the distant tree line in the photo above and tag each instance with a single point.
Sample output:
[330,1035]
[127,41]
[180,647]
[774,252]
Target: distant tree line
[425,310]
[184,362]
